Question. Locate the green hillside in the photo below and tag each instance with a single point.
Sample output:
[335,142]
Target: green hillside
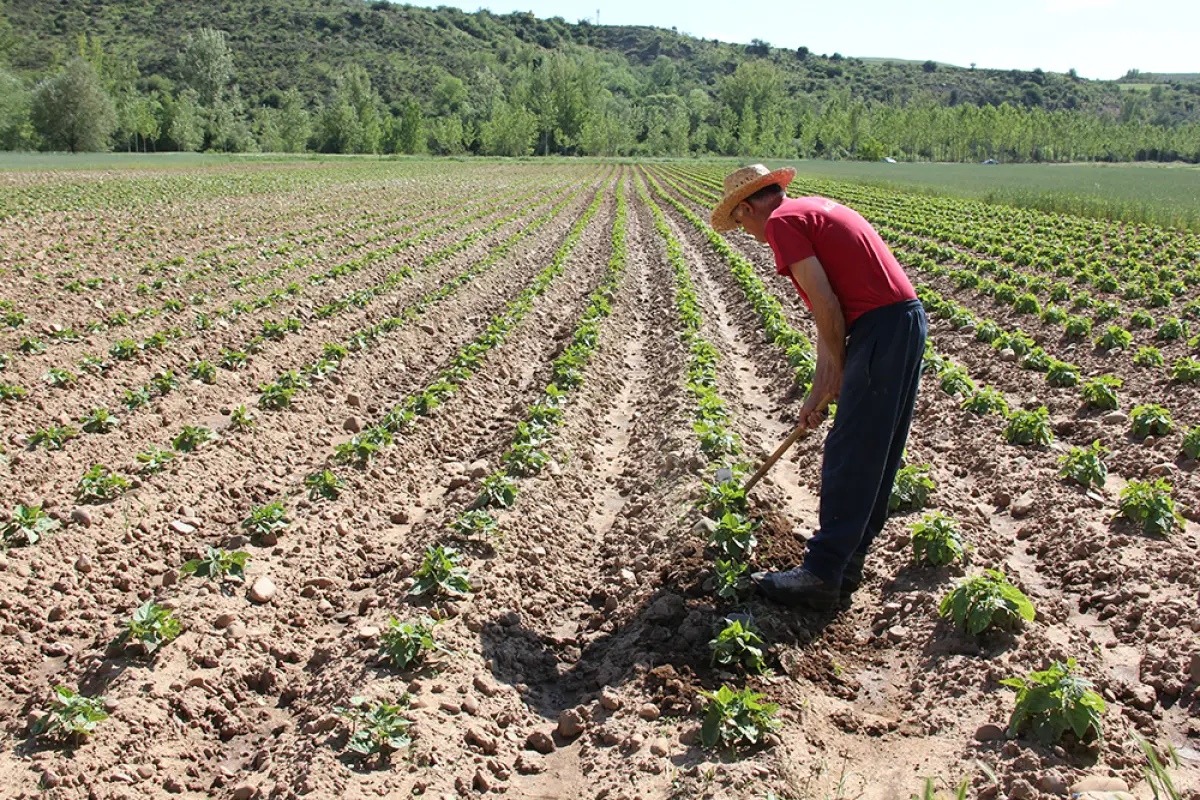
[646,81]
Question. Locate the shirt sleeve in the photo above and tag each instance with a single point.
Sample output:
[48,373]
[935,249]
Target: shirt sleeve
[788,244]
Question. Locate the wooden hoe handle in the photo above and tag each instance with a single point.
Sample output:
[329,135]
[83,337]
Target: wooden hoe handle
[798,433]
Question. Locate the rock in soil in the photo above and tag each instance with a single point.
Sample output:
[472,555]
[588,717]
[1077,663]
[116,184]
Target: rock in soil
[263,590]
[541,742]
[570,723]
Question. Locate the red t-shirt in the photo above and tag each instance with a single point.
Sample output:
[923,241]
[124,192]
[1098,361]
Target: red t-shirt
[861,269]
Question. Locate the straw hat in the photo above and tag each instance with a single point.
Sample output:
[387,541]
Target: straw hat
[740,185]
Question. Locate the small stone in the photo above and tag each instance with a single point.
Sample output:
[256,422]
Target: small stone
[484,741]
[1115,418]
[897,633]
[458,481]
[570,723]
[1099,783]
[1163,470]
[1053,783]
[660,747]
[481,782]
[486,686]
[352,425]
[263,590]
[470,706]
[610,699]
[51,779]
[145,771]
[1143,697]
[989,733]
[1022,789]
[400,517]
[541,742]
[649,712]
[224,621]
[236,630]
[368,632]
[182,528]
[169,578]
[354,401]
[427,328]
[1022,505]
[478,468]
[1194,669]
[83,564]
[81,516]
[173,785]
[1008,354]
[244,792]
[704,527]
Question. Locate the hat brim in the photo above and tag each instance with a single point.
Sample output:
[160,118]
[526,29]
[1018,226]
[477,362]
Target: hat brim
[722,219]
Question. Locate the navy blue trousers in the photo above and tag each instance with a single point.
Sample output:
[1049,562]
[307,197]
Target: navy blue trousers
[863,449]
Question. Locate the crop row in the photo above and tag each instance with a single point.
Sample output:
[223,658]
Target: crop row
[279,393]
[976,604]
[233,358]
[127,349]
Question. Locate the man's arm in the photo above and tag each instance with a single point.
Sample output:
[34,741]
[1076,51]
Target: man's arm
[831,338]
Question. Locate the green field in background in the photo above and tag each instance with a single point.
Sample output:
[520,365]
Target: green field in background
[1163,194]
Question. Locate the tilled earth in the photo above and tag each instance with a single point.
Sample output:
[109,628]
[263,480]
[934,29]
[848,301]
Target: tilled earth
[574,668]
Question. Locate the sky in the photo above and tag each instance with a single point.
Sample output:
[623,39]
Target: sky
[1099,38]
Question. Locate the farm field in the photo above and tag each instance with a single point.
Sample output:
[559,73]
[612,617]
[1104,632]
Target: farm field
[378,479]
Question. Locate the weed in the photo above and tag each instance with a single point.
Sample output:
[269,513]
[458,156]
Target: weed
[986,601]
[1053,701]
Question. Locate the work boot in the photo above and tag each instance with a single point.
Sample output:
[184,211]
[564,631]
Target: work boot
[852,577]
[797,587]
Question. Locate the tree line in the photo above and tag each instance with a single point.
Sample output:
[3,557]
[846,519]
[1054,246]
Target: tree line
[568,101]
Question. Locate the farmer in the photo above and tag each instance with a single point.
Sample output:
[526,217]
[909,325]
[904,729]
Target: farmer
[871,339]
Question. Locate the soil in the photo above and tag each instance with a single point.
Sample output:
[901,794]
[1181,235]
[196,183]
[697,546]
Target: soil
[574,669]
